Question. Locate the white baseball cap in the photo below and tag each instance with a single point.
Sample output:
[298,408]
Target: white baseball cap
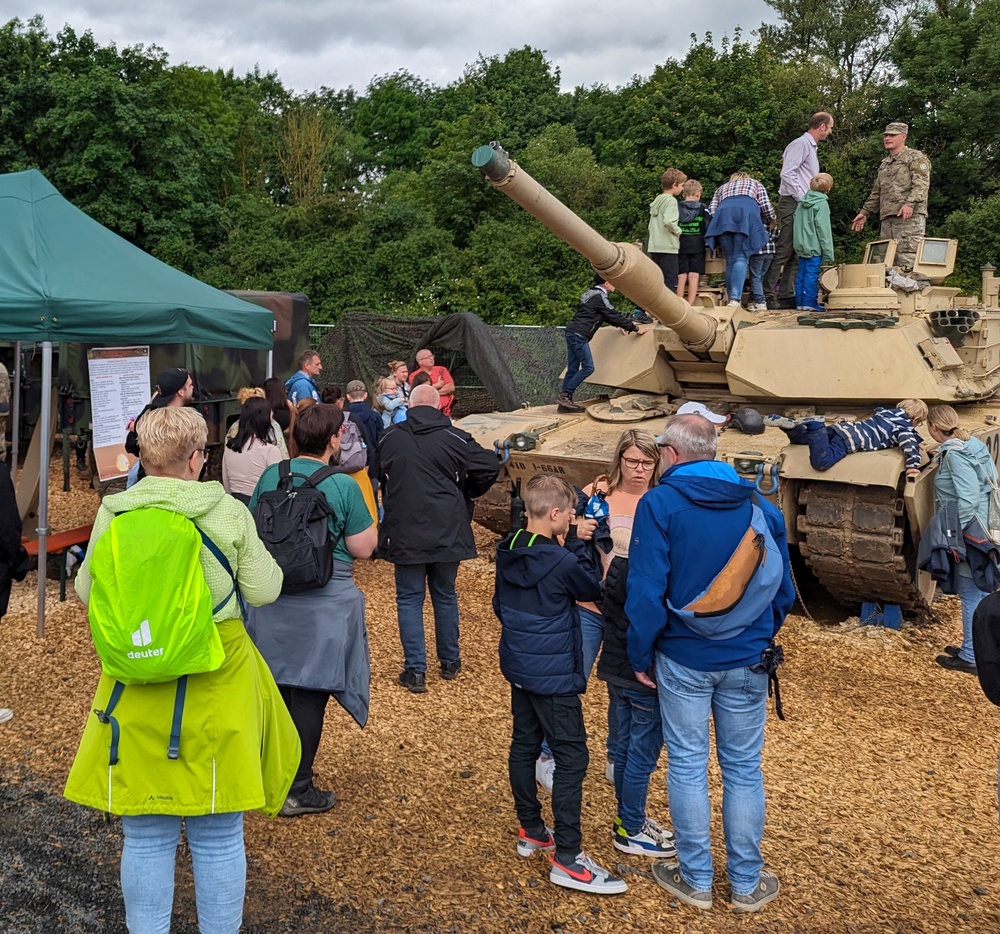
[698,408]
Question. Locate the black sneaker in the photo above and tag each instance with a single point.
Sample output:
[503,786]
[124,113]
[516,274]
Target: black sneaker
[413,681]
[310,801]
[953,663]
[450,670]
[952,650]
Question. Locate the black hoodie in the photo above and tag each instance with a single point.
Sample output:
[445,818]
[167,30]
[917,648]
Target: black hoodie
[538,584]
[430,472]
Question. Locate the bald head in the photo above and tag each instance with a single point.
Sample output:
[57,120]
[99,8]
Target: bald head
[425,395]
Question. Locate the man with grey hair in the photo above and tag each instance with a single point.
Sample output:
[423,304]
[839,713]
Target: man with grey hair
[429,472]
[709,584]
[440,379]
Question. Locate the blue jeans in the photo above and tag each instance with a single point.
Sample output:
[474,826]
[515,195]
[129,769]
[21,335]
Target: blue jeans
[736,263]
[592,630]
[410,592]
[579,361]
[826,445]
[217,857]
[640,739]
[759,265]
[736,701]
[970,596]
[807,282]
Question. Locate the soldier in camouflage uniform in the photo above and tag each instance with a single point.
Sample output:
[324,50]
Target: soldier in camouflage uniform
[4,409]
[899,195]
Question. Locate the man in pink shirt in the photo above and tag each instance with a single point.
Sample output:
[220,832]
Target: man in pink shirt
[440,379]
[799,163]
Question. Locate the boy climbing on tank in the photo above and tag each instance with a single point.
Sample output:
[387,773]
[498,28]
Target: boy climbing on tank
[594,310]
[887,428]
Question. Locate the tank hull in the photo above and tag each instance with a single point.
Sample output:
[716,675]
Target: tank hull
[856,526]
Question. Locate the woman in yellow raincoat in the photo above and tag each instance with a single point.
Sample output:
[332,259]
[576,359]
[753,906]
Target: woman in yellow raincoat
[238,746]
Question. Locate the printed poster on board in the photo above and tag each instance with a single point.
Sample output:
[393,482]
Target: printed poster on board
[119,391]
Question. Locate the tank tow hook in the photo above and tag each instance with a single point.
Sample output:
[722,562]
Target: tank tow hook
[502,450]
[772,472]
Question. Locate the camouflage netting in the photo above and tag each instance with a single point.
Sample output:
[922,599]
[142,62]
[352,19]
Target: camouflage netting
[495,368]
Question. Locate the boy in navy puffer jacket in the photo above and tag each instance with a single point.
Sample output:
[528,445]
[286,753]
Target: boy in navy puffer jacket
[538,582]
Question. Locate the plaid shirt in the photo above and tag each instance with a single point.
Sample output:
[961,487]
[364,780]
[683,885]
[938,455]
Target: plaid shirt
[745,186]
[768,248]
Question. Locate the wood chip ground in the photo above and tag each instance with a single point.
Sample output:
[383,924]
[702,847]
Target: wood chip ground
[881,784]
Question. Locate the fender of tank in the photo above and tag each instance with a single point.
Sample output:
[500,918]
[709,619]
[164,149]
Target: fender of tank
[884,336]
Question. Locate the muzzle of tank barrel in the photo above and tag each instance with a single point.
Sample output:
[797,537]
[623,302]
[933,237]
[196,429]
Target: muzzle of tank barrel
[622,264]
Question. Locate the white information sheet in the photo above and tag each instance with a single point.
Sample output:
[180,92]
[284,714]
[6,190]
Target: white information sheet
[119,390]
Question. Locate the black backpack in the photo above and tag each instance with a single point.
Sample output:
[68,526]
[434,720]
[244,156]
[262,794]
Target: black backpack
[293,523]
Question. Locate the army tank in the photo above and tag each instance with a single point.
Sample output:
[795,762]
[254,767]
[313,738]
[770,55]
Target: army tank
[882,337]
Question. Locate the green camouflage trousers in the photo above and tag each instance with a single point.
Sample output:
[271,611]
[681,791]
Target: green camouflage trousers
[906,234]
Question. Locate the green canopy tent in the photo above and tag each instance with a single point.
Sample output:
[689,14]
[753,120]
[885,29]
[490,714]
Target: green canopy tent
[64,277]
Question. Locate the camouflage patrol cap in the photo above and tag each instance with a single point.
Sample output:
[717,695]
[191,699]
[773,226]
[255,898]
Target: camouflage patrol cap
[894,129]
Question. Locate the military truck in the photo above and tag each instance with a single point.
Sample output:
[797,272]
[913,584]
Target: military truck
[880,339]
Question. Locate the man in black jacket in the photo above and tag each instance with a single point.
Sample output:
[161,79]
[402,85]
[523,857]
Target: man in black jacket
[13,557]
[430,473]
[368,421]
[594,310]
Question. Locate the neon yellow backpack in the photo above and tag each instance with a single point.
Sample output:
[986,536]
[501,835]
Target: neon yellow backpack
[150,608]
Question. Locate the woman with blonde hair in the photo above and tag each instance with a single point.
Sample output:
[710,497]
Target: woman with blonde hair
[400,372]
[965,476]
[235,749]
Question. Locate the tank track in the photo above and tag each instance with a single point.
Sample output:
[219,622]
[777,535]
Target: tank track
[854,539]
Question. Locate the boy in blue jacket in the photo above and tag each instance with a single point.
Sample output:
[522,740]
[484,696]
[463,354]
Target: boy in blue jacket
[538,581]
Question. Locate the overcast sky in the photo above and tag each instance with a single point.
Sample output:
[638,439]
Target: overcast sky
[310,43]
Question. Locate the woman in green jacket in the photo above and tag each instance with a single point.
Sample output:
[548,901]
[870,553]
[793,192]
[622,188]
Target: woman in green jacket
[238,747]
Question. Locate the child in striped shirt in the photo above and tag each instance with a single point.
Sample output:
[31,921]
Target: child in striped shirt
[887,428]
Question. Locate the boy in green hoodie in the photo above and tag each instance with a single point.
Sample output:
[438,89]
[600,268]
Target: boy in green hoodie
[813,241]
[664,228]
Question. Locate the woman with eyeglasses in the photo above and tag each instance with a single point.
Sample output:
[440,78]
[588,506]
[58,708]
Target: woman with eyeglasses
[637,737]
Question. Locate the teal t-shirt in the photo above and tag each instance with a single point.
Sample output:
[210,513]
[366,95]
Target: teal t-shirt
[341,492]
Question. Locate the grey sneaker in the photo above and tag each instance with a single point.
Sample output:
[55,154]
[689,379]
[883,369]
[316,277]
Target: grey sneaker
[667,876]
[310,801]
[779,421]
[766,891]
[584,875]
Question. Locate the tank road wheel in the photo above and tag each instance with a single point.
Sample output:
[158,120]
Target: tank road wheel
[854,539]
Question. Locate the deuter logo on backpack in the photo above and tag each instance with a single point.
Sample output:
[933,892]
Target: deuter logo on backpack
[142,637]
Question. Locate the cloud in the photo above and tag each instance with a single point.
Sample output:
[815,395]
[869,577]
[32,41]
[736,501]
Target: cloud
[337,43]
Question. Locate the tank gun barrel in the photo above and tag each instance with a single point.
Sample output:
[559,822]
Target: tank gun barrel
[622,264]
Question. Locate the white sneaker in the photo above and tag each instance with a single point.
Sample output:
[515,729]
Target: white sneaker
[733,304]
[757,306]
[6,714]
[545,768]
[609,771]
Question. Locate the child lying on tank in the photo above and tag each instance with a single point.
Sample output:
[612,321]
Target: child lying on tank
[888,428]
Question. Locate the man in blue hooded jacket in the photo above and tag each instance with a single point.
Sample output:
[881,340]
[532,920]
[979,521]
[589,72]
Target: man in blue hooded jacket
[695,535]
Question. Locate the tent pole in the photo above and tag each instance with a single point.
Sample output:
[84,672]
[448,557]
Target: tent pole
[45,417]
[15,413]
[270,364]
